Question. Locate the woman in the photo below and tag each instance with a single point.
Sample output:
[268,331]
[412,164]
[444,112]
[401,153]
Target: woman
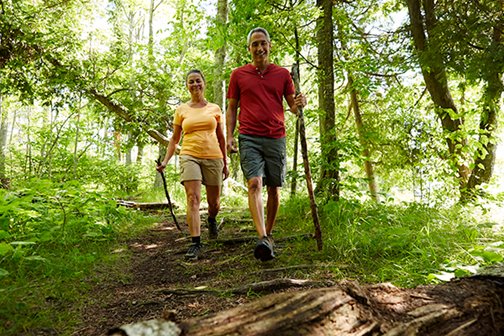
[202,157]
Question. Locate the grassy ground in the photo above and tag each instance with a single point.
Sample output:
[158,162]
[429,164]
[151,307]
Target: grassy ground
[43,288]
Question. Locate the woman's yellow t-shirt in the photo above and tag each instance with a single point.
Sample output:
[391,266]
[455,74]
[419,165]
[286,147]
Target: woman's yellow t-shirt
[199,125]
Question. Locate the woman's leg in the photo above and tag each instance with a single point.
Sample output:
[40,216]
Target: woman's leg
[193,197]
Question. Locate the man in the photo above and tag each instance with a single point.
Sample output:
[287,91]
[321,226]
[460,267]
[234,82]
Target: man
[258,89]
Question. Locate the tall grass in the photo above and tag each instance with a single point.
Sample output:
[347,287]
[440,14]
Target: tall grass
[407,244]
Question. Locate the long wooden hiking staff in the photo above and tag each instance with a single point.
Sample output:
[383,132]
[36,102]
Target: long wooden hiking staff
[158,161]
[306,163]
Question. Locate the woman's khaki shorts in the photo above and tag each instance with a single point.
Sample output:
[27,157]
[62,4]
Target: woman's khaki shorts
[208,171]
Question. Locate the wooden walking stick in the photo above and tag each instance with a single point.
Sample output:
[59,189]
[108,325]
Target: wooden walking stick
[306,163]
[158,161]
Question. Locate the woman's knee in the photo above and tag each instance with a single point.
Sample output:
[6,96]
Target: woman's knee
[193,199]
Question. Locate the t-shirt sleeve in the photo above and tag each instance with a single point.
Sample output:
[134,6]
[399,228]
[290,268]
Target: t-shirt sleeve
[177,118]
[218,115]
[233,90]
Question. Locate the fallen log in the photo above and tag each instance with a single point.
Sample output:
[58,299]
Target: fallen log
[462,307]
[144,206]
[262,287]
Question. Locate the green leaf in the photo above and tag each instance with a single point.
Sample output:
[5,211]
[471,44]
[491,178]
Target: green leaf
[18,243]
[3,272]
[4,235]
[5,249]
[488,256]
[459,273]
[36,258]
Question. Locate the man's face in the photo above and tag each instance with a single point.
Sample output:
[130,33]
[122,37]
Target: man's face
[259,47]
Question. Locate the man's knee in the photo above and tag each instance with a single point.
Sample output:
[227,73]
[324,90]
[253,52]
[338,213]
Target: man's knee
[254,185]
[273,191]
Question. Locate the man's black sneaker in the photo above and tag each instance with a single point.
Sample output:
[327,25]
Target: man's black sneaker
[194,252]
[213,232]
[264,249]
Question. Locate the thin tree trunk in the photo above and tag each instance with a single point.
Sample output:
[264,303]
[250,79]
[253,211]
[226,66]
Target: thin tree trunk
[329,176]
[436,81]
[140,146]
[368,166]
[75,154]
[220,53]
[150,43]
[359,124]
[3,144]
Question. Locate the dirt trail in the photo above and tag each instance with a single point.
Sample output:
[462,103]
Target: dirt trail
[157,283]
[152,284]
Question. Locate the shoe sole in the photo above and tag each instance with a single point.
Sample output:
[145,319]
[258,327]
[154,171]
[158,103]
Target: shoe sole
[263,253]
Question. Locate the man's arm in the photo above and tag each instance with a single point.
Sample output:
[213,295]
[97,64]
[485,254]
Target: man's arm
[295,101]
[231,113]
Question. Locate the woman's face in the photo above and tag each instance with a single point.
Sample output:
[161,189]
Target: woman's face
[195,83]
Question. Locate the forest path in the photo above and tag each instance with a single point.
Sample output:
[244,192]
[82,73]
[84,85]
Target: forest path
[155,281]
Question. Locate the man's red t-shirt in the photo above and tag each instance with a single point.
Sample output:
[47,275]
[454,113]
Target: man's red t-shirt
[260,96]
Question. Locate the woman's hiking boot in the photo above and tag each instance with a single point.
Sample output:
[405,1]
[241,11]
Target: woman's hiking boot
[193,252]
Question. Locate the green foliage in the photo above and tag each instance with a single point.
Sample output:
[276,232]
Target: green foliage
[51,236]
[403,244]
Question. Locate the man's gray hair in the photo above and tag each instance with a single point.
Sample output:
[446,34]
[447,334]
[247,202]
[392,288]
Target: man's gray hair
[258,30]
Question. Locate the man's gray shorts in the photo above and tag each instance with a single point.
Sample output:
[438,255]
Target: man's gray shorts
[260,156]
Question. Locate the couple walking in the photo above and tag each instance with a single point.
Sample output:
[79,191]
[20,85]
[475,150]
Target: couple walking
[257,90]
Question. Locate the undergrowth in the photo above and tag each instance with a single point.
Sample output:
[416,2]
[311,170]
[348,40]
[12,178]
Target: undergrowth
[52,236]
[55,236]
[406,244]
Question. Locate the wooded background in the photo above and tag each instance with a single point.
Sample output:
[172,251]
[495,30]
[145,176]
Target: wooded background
[403,95]
[404,104]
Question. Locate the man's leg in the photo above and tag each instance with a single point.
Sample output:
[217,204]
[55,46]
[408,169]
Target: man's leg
[256,206]
[272,206]
[213,199]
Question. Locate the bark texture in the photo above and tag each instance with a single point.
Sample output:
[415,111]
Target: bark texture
[469,306]
[485,160]
[434,74]
[329,175]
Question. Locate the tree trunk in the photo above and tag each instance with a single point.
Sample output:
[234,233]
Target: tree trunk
[3,145]
[76,146]
[296,135]
[436,81]
[220,53]
[463,307]
[150,43]
[140,153]
[368,165]
[329,174]
[485,159]
[359,124]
